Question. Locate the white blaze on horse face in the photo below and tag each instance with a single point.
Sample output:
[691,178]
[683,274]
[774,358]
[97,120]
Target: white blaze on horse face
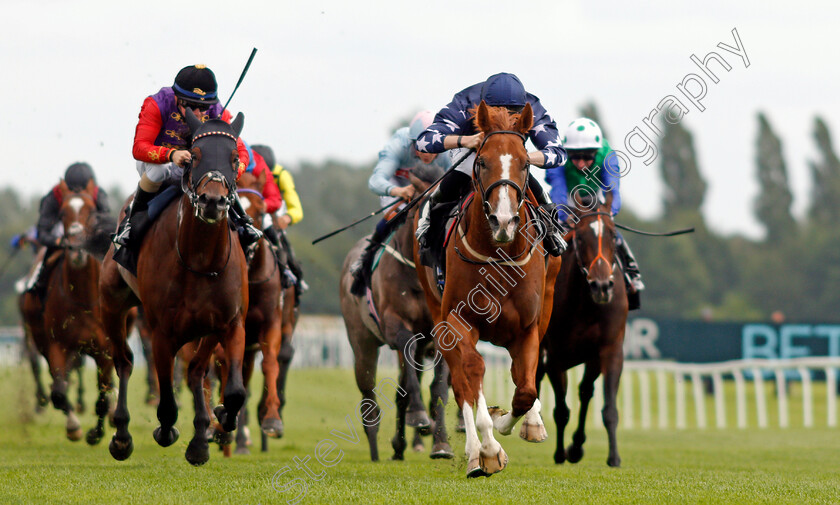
[504,210]
[76,203]
[597,227]
[245,204]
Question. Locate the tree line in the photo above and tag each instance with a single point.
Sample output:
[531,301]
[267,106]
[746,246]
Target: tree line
[794,269]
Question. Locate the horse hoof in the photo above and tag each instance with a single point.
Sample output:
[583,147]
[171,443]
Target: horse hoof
[418,447]
[534,433]
[272,427]
[442,451]
[94,436]
[198,452]
[574,453]
[496,413]
[493,463]
[167,439]
[461,427]
[418,419]
[560,456]
[614,462]
[227,421]
[242,450]
[74,435]
[223,438]
[43,401]
[474,469]
[121,449]
[397,457]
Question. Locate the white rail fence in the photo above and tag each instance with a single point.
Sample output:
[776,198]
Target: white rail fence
[652,394]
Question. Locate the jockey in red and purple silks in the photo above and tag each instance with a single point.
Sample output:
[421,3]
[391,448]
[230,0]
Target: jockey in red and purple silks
[161,143]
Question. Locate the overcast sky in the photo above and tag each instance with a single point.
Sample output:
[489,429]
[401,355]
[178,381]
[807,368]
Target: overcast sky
[332,77]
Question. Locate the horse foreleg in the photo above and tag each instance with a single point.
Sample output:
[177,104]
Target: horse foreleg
[243,437]
[574,452]
[439,392]
[167,412]
[59,369]
[121,445]
[35,362]
[198,451]
[559,383]
[612,362]
[104,369]
[366,354]
[271,424]
[234,394]
[416,415]
[402,401]
[79,367]
[525,356]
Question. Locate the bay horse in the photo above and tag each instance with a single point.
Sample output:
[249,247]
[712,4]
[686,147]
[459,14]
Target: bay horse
[192,280]
[587,326]
[263,324]
[67,324]
[496,288]
[402,311]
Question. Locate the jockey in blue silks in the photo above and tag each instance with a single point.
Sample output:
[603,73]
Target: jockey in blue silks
[453,129]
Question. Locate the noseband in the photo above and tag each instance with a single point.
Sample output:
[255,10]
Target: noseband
[584,269]
[485,193]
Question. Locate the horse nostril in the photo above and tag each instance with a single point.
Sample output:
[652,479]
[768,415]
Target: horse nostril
[202,199]
[610,284]
[516,220]
[493,220]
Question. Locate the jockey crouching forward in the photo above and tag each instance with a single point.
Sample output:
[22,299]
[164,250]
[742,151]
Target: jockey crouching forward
[161,148]
[49,230]
[289,213]
[592,163]
[453,129]
[390,181]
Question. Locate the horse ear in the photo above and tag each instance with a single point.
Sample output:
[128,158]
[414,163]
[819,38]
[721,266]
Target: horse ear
[63,188]
[482,117]
[608,200]
[526,120]
[261,179]
[192,121]
[90,188]
[238,123]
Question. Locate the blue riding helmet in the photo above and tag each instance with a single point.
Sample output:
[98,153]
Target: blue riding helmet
[503,90]
[77,176]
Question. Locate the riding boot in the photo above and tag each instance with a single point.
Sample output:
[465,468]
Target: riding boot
[136,217]
[553,241]
[631,268]
[41,274]
[248,234]
[361,269]
[293,265]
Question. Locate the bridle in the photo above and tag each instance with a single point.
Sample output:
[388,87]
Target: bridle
[191,191]
[585,270]
[485,193]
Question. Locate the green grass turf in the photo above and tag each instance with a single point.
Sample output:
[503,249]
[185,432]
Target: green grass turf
[38,465]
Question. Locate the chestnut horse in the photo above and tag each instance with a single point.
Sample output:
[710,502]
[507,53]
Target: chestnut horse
[192,280]
[587,326]
[403,313]
[495,289]
[68,322]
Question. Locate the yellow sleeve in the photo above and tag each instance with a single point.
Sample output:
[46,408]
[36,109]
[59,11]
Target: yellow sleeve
[290,196]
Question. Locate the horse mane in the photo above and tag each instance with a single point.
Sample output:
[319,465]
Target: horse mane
[426,172]
[500,118]
[98,238]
